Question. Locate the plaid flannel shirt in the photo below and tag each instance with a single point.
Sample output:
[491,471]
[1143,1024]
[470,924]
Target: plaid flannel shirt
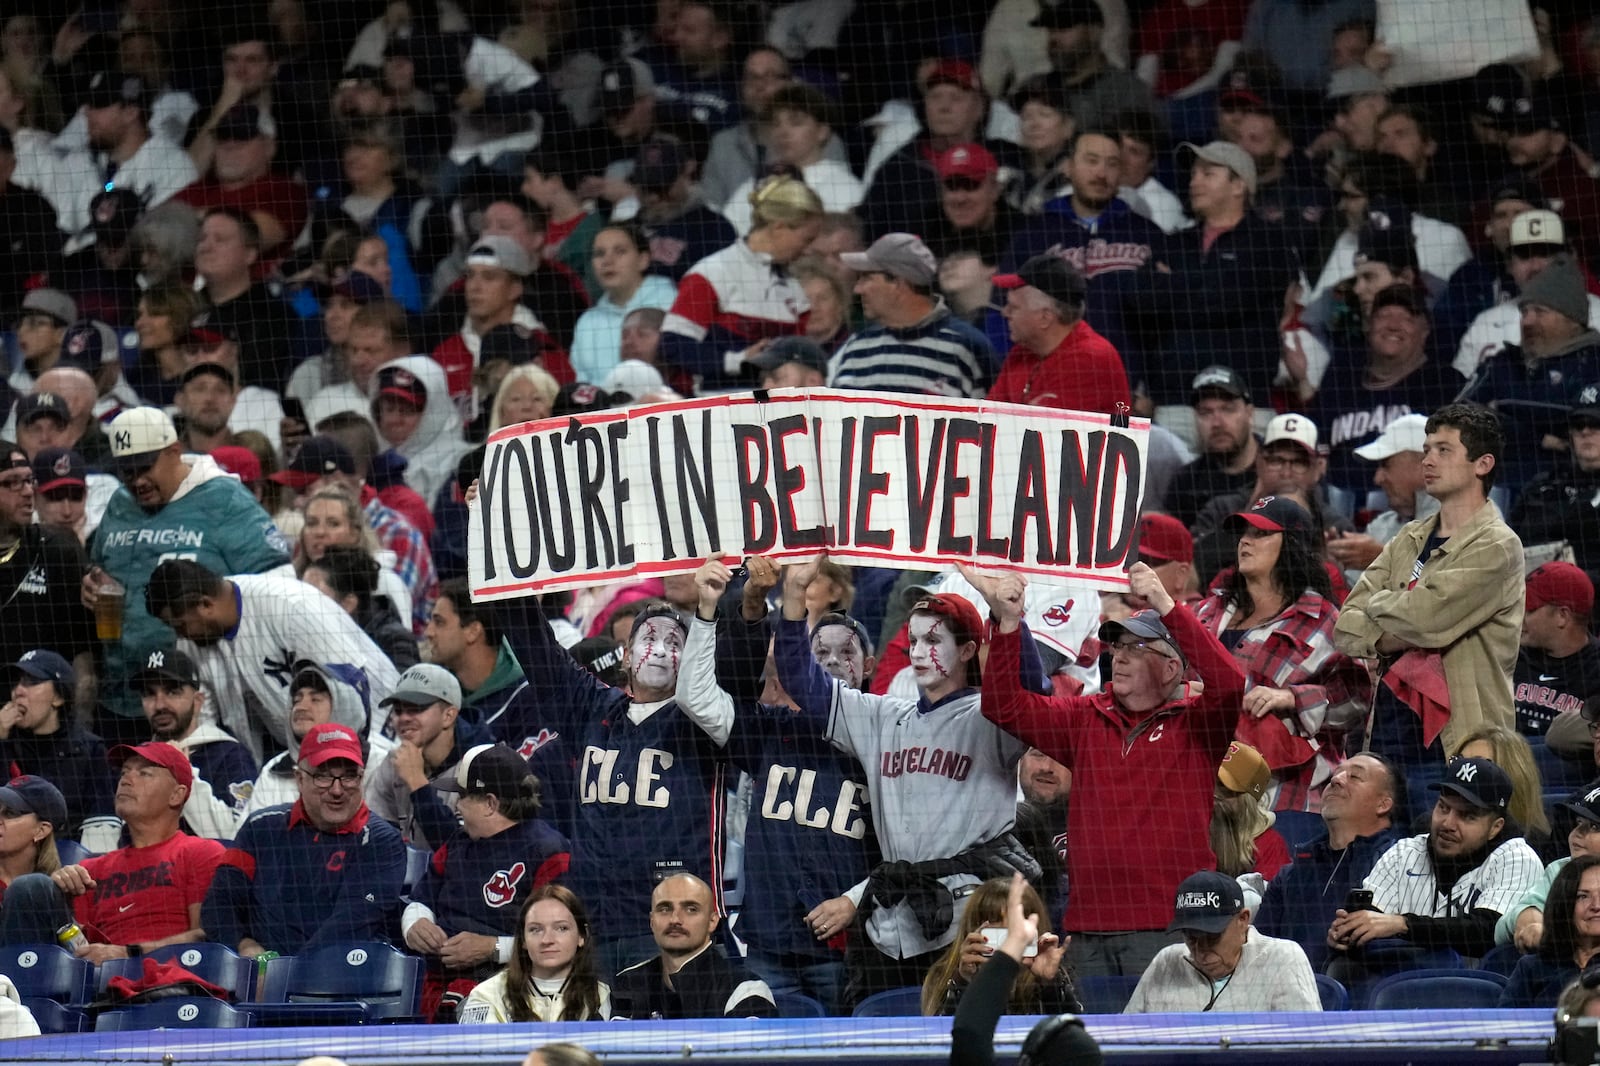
[413,562]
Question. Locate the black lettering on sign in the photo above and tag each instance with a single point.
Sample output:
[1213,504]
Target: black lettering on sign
[988,543]
[1080,477]
[488,484]
[621,491]
[1031,501]
[847,458]
[788,481]
[653,435]
[516,452]
[561,558]
[699,477]
[923,479]
[956,487]
[756,510]
[873,483]
[585,440]
[1121,453]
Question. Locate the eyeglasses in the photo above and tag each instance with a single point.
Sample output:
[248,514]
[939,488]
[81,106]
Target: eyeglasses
[129,474]
[18,484]
[1299,460]
[1140,647]
[325,781]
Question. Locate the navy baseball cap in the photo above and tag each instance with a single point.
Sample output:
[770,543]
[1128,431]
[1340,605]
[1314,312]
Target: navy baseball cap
[1207,903]
[660,609]
[1478,781]
[580,397]
[317,458]
[37,405]
[487,770]
[511,343]
[839,618]
[41,664]
[27,794]
[59,468]
[658,164]
[1585,802]
[358,287]
[803,350]
[1051,275]
[1271,514]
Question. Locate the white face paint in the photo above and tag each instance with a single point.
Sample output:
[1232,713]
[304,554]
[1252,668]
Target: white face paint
[935,655]
[653,654]
[838,651]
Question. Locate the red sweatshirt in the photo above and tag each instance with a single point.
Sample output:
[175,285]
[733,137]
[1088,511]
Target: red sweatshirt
[1083,373]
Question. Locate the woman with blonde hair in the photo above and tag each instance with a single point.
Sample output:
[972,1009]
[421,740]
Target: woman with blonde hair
[31,810]
[526,394]
[334,518]
[1242,835]
[736,300]
[1509,750]
[1043,986]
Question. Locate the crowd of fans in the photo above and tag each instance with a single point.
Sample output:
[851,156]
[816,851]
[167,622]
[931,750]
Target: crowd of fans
[275,276]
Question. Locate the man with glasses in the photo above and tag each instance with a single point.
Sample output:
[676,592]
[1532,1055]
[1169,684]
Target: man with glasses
[1056,359]
[1224,963]
[425,709]
[142,896]
[1143,753]
[40,567]
[319,871]
[170,504]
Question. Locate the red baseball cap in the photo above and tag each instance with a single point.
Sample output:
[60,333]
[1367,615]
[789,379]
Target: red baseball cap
[402,384]
[161,754]
[239,461]
[970,160]
[957,72]
[330,741]
[1561,585]
[966,624]
[1163,537]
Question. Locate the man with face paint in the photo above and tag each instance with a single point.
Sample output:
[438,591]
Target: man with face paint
[942,781]
[1146,735]
[808,839]
[651,783]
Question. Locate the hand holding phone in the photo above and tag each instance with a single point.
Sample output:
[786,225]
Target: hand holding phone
[994,937]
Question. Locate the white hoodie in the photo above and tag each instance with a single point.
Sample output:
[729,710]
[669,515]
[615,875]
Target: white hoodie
[436,447]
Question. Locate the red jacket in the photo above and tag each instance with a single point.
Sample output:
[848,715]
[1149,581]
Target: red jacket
[1140,817]
[1084,373]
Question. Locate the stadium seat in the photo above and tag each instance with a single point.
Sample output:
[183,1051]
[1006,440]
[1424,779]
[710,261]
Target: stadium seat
[416,865]
[216,963]
[1334,995]
[46,971]
[797,1005]
[895,1003]
[70,852]
[386,982]
[56,1017]
[1105,994]
[176,1013]
[1502,960]
[1438,990]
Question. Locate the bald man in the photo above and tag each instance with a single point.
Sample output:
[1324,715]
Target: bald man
[690,978]
[82,433]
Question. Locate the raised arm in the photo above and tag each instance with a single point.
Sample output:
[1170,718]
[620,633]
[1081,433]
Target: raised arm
[742,636]
[698,694]
[807,683]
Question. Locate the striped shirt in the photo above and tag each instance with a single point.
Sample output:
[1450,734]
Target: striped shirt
[941,355]
[1402,881]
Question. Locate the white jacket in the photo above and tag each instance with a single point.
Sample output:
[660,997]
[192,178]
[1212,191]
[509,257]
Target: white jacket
[436,447]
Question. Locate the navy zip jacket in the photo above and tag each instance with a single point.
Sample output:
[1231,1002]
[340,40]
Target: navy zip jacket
[1302,897]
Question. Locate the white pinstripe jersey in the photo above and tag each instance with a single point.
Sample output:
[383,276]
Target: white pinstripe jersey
[1402,881]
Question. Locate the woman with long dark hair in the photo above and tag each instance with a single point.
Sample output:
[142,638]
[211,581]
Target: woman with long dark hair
[551,976]
[1274,610]
[1571,937]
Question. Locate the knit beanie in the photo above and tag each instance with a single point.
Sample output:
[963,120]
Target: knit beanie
[1561,288]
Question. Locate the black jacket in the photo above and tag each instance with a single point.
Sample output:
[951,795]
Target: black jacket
[708,986]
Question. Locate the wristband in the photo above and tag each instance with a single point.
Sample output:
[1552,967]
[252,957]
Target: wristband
[134,951]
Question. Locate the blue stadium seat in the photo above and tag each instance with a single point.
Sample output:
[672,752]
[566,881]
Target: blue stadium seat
[797,1005]
[1334,995]
[387,982]
[48,971]
[216,963]
[56,1017]
[1438,990]
[1502,960]
[71,852]
[1105,993]
[416,865]
[895,1003]
[176,1013]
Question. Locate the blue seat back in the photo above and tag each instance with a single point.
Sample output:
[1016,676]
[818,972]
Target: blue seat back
[216,963]
[387,981]
[797,1005]
[56,1017]
[71,852]
[1334,995]
[1105,993]
[1438,990]
[48,971]
[1502,960]
[177,1013]
[895,1003]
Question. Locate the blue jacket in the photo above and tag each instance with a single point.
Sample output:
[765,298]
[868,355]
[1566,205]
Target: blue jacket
[1536,983]
[1301,899]
[287,885]
[597,341]
[1533,401]
[478,886]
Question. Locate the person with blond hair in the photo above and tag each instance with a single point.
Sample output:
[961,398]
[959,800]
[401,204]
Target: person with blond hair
[527,393]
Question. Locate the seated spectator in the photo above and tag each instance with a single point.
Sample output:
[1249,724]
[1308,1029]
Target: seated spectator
[211,405]
[1096,87]
[314,695]
[41,419]
[1398,453]
[145,894]
[221,770]
[689,978]
[551,975]
[913,344]
[621,258]
[550,179]
[799,122]
[1536,238]
[1539,150]
[1044,985]
[1361,393]
[379,333]
[62,495]
[694,72]
[41,327]
[733,300]
[241,177]
[40,735]
[1558,663]
[1410,133]
[60,619]
[828,292]
[970,213]
[527,393]
[117,111]
[555,292]
[341,298]
[1223,964]
[1486,280]
[1359,804]
[1523,922]
[682,229]
[1046,128]
[404,787]
[1056,358]
[462,914]
[350,577]
[320,871]
[1140,136]
[1510,751]
[246,628]
[1569,940]
[414,415]
[165,312]
[1242,834]
[239,306]
[1224,418]
[737,152]
[30,809]
[333,519]
[1528,384]
[1470,838]
[1386,255]
[1046,788]
[1291,198]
